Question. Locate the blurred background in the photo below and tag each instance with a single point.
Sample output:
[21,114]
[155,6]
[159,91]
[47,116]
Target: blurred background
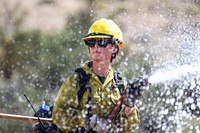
[41,44]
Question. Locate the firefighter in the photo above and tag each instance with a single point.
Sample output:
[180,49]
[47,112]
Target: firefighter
[86,98]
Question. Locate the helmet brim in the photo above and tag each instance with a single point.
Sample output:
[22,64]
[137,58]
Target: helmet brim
[97,36]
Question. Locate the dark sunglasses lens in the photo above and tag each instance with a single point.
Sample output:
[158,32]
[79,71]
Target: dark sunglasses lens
[102,43]
[90,42]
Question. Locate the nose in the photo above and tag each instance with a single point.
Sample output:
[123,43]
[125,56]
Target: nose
[96,45]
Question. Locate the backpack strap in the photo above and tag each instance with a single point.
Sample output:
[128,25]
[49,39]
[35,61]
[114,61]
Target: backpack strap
[83,82]
[83,86]
[119,80]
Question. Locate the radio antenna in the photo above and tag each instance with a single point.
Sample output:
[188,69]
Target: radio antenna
[35,113]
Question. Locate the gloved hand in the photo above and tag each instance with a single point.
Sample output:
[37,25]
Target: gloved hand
[100,125]
[134,90]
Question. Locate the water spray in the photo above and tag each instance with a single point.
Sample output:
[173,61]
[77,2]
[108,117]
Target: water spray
[174,73]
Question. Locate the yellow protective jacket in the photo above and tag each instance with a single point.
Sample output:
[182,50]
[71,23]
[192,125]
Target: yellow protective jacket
[68,114]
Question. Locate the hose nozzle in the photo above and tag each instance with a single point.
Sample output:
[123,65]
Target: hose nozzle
[135,88]
[139,82]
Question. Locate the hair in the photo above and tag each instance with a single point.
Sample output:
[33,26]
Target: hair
[114,55]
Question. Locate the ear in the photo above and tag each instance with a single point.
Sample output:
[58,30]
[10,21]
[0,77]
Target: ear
[115,49]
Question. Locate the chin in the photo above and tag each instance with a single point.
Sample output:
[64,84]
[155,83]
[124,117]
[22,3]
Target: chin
[97,59]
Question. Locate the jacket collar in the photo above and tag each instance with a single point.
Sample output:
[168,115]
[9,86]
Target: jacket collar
[110,76]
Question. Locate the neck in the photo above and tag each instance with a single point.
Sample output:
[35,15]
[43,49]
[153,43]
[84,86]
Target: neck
[101,68]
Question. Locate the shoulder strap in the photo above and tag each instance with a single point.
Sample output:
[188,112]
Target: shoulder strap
[119,80]
[84,81]
[83,86]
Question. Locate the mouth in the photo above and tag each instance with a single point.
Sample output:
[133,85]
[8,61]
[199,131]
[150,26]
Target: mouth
[96,52]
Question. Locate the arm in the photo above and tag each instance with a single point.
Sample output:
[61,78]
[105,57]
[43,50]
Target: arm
[130,118]
[66,112]
[129,111]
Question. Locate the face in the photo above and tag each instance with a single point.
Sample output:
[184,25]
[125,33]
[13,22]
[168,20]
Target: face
[102,51]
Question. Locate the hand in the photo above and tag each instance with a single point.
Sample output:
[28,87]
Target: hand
[134,90]
[100,125]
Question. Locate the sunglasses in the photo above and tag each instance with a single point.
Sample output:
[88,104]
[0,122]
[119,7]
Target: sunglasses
[100,42]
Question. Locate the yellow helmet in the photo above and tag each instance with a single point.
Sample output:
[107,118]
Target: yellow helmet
[105,28]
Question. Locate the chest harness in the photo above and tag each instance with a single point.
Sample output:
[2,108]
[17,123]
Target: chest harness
[84,85]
